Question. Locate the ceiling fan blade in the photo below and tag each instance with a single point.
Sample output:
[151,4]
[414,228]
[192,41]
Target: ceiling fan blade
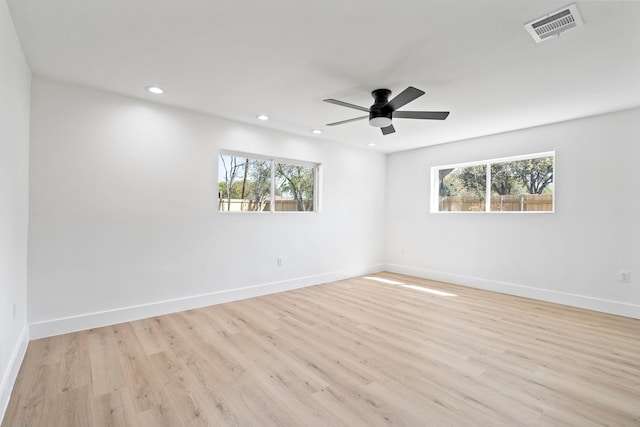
[389,129]
[404,97]
[346,104]
[429,115]
[347,121]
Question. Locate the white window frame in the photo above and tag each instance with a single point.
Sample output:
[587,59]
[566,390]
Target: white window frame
[435,183]
[272,208]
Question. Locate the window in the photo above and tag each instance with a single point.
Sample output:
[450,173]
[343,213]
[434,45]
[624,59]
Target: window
[248,183]
[514,184]
[294,187]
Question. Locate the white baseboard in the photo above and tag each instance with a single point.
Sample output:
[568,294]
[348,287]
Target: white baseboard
[126,314]
[581,301]
[10,375]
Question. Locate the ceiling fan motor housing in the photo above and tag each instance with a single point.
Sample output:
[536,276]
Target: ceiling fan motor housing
[379,116]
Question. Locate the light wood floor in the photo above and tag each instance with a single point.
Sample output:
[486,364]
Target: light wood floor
[357,352]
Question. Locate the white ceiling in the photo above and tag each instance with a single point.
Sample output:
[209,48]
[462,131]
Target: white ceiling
[239,58]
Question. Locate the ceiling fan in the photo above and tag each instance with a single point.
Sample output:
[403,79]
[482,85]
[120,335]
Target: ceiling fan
[383,111]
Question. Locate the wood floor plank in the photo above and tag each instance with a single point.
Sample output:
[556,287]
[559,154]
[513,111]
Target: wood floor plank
[106,371]
[133,361]
[71,408]
[147,332]
[75,363]
[378,350]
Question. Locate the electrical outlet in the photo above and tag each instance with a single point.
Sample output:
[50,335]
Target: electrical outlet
[625,276]
[279,262]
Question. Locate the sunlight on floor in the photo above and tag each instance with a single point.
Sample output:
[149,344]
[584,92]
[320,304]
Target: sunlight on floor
[404,285]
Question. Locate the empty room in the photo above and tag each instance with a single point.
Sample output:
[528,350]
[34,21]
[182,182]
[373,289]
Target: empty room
[356,213]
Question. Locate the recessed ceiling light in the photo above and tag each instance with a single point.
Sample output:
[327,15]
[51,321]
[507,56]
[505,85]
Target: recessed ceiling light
[316,131]
[262,117]
[371,144]
[155,89]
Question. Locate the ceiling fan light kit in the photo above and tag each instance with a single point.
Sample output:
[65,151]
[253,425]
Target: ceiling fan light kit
[380,121]
[382,111]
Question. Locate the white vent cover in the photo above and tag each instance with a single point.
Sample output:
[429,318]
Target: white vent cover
[554,23]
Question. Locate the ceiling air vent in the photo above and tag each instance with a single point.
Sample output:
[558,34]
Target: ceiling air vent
[554,23]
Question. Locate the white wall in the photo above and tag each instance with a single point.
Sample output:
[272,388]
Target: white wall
[572,256]
[15,80]
[124,221]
